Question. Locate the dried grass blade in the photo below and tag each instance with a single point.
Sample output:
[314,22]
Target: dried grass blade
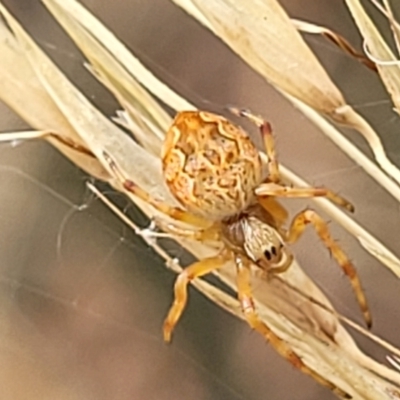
[95,130]
[368,241]
[286,61]
[377,47]
[395,26]
[67,10]
[336,39]
[107,69]
[22,91]
[263,35]
[333,360]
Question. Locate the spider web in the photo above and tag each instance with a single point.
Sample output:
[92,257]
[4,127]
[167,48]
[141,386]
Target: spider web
[84,299]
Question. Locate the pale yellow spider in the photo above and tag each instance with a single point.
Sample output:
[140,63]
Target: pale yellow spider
[215,171]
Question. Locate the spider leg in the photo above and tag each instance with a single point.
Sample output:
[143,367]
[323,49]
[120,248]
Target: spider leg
[275,190]
[268,139]
[246,299]
[195,270]
[173,212]
[275,209]
[296,229]
[272,188]
[208,234]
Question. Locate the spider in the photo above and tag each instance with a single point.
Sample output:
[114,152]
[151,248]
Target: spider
[215,172]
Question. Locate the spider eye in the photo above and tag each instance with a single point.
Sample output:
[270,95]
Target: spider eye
[273,250]
[267,255]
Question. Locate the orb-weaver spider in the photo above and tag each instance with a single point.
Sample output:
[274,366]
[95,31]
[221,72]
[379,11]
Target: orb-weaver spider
[215,172]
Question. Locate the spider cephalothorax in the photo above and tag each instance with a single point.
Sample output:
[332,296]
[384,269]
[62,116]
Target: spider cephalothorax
[250,233]
[215,172]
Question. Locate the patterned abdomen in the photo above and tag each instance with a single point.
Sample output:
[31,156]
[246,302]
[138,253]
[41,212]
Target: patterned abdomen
[210,165]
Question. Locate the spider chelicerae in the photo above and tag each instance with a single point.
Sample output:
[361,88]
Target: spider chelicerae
[215,172]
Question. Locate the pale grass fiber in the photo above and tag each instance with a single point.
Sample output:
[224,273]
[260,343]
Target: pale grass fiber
[51,103]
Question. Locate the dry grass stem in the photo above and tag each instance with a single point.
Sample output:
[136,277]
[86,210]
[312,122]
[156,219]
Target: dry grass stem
[335,38]
[313,332]
[150,138]
[390,74]
[78,22]
[395,26]
[246,27]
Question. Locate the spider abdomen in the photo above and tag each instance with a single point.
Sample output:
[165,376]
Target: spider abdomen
[210,165]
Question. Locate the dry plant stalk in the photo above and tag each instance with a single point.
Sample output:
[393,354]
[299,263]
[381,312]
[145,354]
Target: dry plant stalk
[336,39]
[57,107]
[388,68]
[238,24]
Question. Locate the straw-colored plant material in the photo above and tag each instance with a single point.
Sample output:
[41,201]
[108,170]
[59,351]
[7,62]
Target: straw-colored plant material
[386,9]
[368,241]
[87,125]
[71,10]
[313,332]
[335,38]
[388,67]
[97,43]
[22,90]
[264,36]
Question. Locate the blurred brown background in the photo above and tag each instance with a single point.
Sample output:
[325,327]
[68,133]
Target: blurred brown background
[82,300]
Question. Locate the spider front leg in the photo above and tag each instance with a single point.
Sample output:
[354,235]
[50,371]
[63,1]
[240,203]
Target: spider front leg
[268,139]
[211,233]
[246,299]
[272,187]
[195,270]
[276,190]
[273,207]
[173,212]
[296,229]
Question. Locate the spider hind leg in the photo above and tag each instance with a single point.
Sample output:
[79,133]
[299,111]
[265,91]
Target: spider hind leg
[247,303]
[175,213]
[196,270]
[299,223]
